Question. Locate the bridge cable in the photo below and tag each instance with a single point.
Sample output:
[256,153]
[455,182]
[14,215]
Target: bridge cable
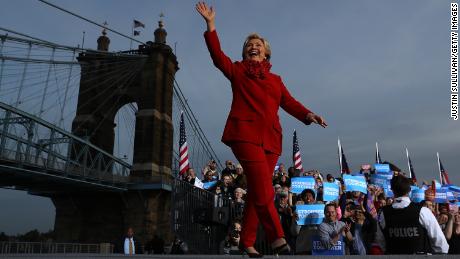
[88,20]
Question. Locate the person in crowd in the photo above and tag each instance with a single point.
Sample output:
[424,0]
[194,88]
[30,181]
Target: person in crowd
[303,234]
[226,186]
[319,186]
[208,177]
[253,131]
[330,178]
[292,172]
[285,214]
[190,176]
[238,195]
[211,168]
[230,245]
[179,247]
[452,232]
[131,245]
[239,179]
[238,201]
[283,180]
[278,190]
[442,220]
[364,228]
[229,168]
[389,201]
[430,205]
[381,201]
[404,226]
[356,246]
[332,230]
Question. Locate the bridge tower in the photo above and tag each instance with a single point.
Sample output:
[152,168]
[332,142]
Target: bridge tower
[105,216]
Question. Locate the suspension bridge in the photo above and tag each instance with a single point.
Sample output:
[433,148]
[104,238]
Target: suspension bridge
[94,131]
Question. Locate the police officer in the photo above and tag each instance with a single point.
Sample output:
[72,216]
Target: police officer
[406,227]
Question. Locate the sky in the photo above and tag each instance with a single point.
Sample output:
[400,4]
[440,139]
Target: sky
[377,71]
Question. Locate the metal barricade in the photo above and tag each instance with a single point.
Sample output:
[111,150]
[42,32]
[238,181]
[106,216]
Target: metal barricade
[202,218]
[53,248]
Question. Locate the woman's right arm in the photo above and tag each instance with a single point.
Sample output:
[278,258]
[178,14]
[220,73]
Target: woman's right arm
[208,14]
[221,61]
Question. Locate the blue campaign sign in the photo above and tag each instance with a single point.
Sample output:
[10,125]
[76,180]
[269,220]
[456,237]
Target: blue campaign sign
[455,191]
[380,180]
[382,168]
[388,192]
[319,249]
[437,184]
[330,191]
[298,184]
[441,196]
[450,195]
[208,185]
[355,183]
[412,188]
[311,214]
[418,195]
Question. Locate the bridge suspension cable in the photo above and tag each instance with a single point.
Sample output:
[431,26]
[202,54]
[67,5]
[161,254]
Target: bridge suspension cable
[90,21]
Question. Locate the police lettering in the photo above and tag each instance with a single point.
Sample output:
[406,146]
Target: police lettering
[403,232]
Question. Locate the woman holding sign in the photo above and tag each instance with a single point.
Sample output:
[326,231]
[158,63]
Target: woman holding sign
[253,131]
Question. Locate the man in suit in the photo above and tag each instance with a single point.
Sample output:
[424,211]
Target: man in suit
[131,245]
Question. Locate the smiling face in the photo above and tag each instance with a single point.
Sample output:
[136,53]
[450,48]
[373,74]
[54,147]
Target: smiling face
[257,49]
[254,50]
[457,218]
[330,213]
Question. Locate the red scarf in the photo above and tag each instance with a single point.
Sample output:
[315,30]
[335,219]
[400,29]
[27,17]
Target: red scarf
[255,69]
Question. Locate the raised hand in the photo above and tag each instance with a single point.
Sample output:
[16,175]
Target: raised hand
[207,13]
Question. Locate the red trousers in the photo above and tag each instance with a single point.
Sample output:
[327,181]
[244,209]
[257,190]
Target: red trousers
[258,165]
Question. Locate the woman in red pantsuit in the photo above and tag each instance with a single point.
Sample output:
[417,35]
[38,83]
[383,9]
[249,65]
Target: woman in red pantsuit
[253,131]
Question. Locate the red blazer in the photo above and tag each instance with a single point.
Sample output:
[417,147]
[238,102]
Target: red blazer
[253,116]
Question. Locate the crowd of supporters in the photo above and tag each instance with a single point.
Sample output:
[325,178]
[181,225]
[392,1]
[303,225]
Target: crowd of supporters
[356,213]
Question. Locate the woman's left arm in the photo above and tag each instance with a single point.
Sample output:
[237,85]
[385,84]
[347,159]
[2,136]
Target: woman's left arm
[296,109]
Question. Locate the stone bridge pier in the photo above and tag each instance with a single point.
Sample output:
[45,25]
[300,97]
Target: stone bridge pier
[103,216]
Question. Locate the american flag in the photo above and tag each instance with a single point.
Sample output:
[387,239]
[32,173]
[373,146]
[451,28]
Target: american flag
[411,168]
[137,23]
[296,153]
[344,169]
[443,174]
[183,150]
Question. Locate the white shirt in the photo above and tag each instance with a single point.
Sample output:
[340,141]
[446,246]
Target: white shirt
[126,246]
[427,220]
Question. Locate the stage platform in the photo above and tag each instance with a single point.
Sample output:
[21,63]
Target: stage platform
[117,256]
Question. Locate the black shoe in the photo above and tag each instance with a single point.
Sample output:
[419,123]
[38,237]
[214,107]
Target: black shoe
[283,249]
[251,255]
[255,255]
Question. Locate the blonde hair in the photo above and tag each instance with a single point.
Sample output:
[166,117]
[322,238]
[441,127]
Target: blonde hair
[252,36]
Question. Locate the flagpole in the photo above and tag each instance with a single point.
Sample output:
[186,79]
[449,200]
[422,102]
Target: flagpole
[378,152]
[408,164]
[340,154]
[132,36]
[293,152]
[439,168]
